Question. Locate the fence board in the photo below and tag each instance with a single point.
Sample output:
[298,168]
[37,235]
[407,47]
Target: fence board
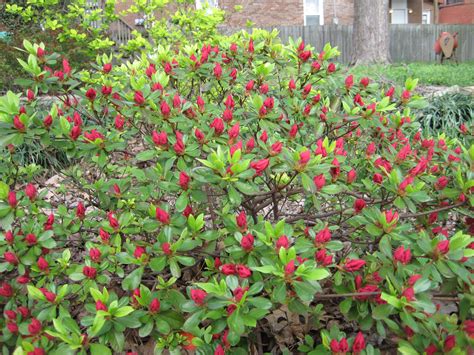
[408,43]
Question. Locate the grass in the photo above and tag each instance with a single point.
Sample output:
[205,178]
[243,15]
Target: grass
[449,74]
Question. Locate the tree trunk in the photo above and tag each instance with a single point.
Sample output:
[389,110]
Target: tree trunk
[435,12]
[370,38]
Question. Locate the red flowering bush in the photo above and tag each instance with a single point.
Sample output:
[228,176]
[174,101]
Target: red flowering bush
[216,192]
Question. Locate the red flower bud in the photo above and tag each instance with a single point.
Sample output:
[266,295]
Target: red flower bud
[441,183]
[75,132]
[138,98]
[10,258]
[154,306]
[352,265]
[218,126]
[259,166]
[304,56]
[359,205]
[12,327]
[165,109]
[247,242]
[234,131]
[409,294]
[290,268]
[89,272]
[264,89]
[250,85]
[31,192]
[139,251]
[282,242]
[241,220]
[113,222]
[378,178]
[304,157]
[80,211]
[162,216]
[40,52]
[48,121]
[106,90]
[104,236]
[443,246]
[31,239]
[323,236]
[42,264]
[335,170]
[198,296]
[95,254]
[91,94]
[199,135]
[160,139]
[34,328]
[30,95]
[250,145]
[12,201]
[243,271]
[331,68]
[334,345]
[250,47]
[402,255]
[106,68]
[228,269]
[349,82]
[100,306]
[166,247]
[351,176]
[11,315]
[364,81]
[319,181]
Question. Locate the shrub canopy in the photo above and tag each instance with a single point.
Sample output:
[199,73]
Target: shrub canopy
[211,191]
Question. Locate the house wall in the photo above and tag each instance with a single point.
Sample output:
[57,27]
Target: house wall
[344,10]
[417,9]
[462,13]
[264,13]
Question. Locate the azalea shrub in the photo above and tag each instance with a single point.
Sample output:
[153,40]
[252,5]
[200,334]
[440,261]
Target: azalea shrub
[237,197]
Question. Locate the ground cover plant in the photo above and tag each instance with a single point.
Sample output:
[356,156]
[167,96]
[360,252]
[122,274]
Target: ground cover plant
[447,74]
[234,197]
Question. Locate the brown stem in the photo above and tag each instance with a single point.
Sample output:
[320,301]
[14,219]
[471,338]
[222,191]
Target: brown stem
[423,213]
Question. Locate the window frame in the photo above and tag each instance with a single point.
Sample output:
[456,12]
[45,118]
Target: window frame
[320,12]
[453,2]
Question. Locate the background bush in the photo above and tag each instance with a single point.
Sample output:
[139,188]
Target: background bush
[446,113]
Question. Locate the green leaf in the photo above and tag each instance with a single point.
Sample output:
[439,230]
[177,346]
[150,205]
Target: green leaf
[316,274]
[146,155]
[99,349]
[122,312]
[132,281]
[35,293]
[392,300]
[260,302]
[266,269]
[345,305]
[145,330]
[97,325]
[4,189]
[158,264]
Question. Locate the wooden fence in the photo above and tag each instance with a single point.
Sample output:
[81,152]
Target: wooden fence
[408,43]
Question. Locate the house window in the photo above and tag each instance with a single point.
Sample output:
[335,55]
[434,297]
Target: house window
[426,17]
[399,12]
[450,2]
[313,12]
[200,3]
